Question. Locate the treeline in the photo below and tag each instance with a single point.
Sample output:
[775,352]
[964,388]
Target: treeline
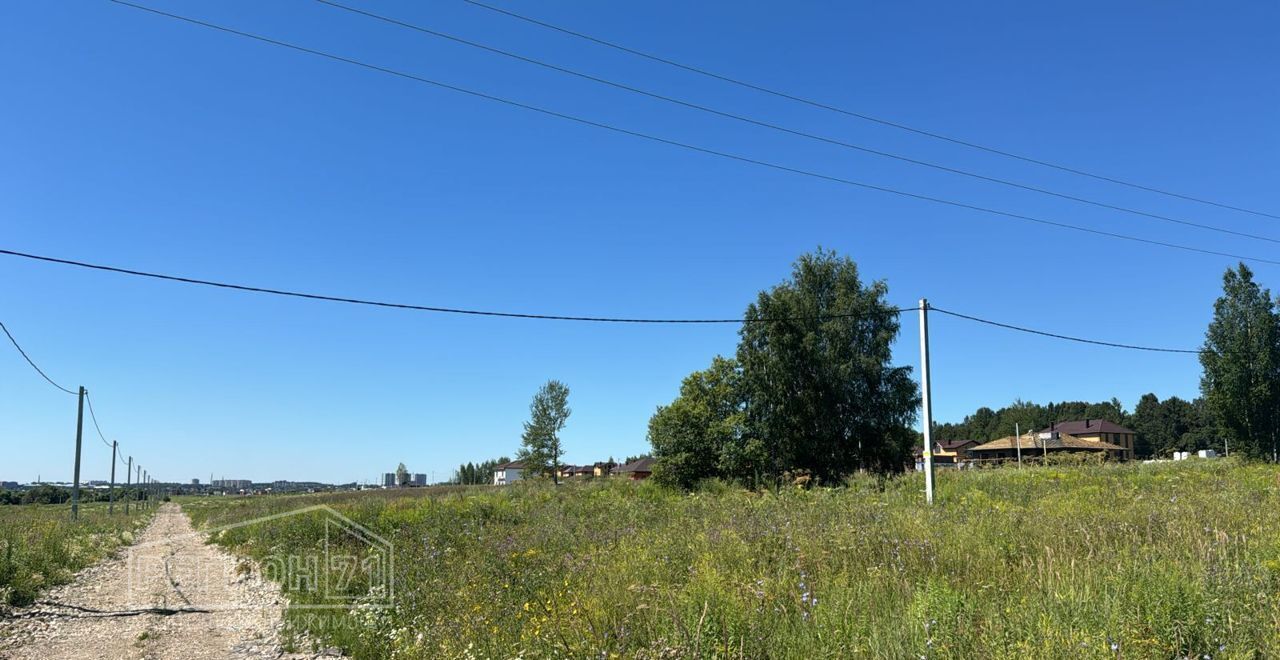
[1174,424]
[810,391]
[1162,427]
[47,494]
[986,424]
[1239,404]
[475,474]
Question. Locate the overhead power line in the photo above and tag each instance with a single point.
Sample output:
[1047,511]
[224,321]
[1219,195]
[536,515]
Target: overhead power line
[691,147]
[877,120]
[791,131]
[1054,335]
[592,319]
[94,417]
[32,362]
[421,308]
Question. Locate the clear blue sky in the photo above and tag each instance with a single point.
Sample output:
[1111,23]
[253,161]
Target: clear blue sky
[137,141]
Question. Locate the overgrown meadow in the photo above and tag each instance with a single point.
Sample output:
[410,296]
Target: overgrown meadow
[1131,561]
[41,547]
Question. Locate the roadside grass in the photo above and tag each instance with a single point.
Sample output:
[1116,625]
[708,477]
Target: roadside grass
[1111,561]
[41,547]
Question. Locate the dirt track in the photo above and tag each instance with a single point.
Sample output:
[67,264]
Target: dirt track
[169,596]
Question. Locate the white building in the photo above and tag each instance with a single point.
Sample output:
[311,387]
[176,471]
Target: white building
[508,473]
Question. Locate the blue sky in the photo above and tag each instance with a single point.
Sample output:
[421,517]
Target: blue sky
[137,141]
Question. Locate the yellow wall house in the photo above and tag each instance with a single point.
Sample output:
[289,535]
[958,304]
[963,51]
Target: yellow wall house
[1097,430]
[1034,446]
[947,453]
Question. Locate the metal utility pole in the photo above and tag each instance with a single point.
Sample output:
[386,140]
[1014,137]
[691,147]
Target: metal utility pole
[75,489]
[926,404]
[1017,441]
[111,493]
[128,479]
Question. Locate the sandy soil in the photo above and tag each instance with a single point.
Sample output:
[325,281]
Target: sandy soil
[168,596]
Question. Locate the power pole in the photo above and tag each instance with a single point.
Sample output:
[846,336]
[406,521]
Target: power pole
[146,494]
[75,489]
[1017,441]
[926,404]
[128,474]
[111,494]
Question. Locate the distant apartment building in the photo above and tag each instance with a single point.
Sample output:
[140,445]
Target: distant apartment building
[419,480]
[233,484]
[388,479]
[8,485]
[195,482]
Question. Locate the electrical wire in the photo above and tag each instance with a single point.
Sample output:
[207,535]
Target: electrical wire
[791,131]
[866,117]
[94,417]
[310,296]
[1054,335]
[691,147]
[424,308]
[92,414]
[31,362]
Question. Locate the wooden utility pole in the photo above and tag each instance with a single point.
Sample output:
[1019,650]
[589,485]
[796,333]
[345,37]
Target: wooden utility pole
[111,493]
[926,404]
[1017,441]
[75,487]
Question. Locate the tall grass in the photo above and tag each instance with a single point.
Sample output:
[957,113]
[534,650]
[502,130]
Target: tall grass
[1132,561]
[41,547]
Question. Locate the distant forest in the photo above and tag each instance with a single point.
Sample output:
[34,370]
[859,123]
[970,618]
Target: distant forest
[1162,427]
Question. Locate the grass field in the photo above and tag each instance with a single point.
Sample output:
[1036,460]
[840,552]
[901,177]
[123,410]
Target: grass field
[41,547]
[1128,561]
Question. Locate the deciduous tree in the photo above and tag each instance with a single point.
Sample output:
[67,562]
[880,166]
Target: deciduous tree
[540,443]
[1241,360]
[819,388]
[691,436]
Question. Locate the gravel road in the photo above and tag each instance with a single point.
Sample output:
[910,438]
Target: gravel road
[168,596]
